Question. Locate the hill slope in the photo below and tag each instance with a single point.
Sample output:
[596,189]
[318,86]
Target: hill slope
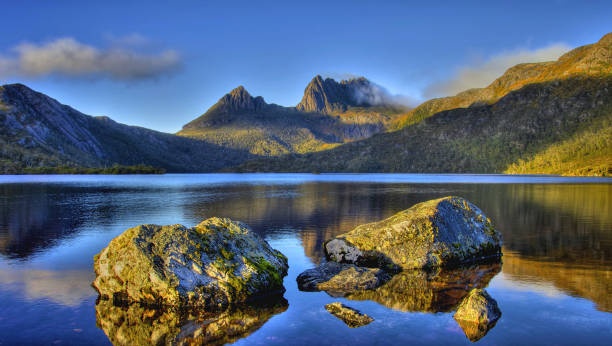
[533,111]
[329,114]
[479,139]
[593,59]
[36,130]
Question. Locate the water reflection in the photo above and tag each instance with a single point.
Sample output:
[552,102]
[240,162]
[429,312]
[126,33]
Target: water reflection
[593,283]
[556,236]
[475,331]
[66,287]
[429,291]
[138,325]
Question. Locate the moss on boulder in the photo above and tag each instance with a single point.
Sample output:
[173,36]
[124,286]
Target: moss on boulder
[213,265]
[449,231]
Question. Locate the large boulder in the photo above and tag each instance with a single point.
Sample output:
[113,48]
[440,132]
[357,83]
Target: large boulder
[443,232]
[213,265]
[477,314]
[341,277]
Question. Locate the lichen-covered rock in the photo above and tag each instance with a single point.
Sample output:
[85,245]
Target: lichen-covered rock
[443,232]
[341,277]
[477,314]
[418,290]
[215,264]
[353,318]
[135,324]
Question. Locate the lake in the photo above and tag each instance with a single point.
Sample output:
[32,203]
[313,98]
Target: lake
[554,286]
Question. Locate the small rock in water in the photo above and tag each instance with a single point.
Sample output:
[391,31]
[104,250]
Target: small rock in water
[213,265]
[353,318]
[477,314]
[341,277]
[448,231]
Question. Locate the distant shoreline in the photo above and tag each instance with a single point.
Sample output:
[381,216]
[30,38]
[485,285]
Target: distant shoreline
[114,170]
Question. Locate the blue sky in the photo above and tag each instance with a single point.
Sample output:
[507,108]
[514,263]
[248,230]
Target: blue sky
[161,64]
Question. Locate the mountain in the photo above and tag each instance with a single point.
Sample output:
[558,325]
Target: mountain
[557,110]
[36,130]
[329,97]
[330,113]
[593,59]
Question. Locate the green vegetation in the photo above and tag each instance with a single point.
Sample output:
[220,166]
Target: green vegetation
[478,139]
[116,169]
[588,153]
[593,59]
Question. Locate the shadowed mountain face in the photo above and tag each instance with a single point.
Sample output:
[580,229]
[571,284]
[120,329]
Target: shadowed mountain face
[331,113]
[36,130]
[328,96]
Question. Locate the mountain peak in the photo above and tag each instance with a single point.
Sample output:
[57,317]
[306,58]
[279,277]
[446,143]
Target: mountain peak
[328,96]
[239,100]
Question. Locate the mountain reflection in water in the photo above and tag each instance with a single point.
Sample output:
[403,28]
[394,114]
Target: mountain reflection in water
[557,243]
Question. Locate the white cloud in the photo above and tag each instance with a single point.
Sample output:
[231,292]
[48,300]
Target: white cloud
[481,73]
[69,58]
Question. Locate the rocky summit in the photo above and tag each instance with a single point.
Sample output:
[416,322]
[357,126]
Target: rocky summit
[443,232]
[213,265]
[329,96]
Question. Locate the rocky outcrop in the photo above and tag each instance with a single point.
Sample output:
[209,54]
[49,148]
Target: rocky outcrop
[444,232]
[337,277]
[328,96]
[353,318]
[135,324]
[213,265]
[477,314]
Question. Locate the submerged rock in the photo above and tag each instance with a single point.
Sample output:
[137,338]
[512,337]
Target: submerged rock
[213,265]
[477,314]
[443,232]
[419,290]
[353,318]
[135,324]
[340,277]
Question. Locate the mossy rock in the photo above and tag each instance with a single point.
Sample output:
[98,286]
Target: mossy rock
[351,317]
[213,265]
[477,314]
[444,232]
[340,277]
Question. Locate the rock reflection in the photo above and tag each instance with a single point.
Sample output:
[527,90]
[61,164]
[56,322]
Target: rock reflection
[139,325]
[475,331]
[435,291]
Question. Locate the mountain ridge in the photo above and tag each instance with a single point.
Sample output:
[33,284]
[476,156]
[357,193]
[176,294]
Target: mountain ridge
[591,59]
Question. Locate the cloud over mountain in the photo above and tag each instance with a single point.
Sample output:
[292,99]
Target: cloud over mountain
[70,58]
[480,73]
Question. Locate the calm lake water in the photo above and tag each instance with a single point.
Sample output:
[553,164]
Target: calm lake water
[554,286]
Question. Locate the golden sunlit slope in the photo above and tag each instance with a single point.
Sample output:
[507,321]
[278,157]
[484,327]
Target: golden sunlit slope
[592,59]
